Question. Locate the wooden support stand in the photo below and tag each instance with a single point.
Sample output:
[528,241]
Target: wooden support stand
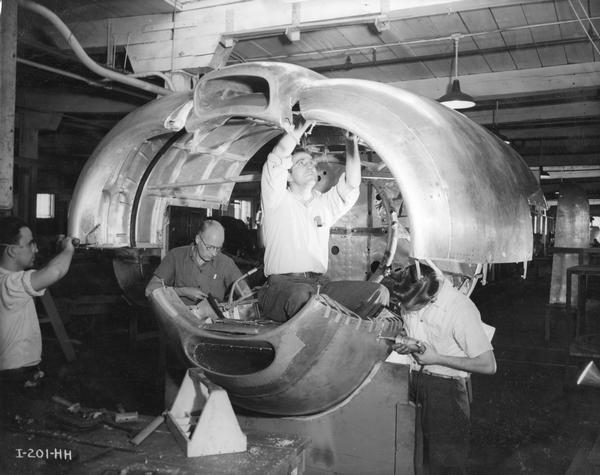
[583,272]
[202,419]
[57,325]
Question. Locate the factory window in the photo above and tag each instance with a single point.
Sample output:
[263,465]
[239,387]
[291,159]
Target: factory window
[242,209]
[44,208]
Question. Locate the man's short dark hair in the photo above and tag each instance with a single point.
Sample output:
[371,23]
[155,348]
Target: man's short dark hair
[413,291]
[10,231]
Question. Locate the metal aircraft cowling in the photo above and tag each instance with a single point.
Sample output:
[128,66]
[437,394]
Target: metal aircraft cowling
[466,196]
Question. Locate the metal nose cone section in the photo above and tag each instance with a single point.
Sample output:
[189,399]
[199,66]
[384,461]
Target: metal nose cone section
[467,194]
[466,198]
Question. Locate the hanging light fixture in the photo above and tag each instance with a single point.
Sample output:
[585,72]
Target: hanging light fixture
[456,99]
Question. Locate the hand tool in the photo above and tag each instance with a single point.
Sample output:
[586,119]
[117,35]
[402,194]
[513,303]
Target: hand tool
[414,345]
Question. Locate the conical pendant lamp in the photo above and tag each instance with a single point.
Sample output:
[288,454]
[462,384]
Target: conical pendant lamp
[455,98]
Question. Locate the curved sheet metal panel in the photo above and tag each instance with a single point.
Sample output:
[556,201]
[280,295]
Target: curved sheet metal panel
[468,194]
[305,366]
[101,204]
[131,178]
[571,229]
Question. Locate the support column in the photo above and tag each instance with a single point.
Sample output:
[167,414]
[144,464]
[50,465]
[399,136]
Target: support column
[28,176]
[8,69]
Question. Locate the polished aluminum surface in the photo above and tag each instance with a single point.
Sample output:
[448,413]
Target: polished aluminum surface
[571,229]
[468,195]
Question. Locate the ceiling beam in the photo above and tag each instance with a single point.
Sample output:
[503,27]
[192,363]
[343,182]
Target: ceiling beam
[260,18]
[535,160]
[553,132]
[349,66]
[544,112]
[511,83]
[189,38]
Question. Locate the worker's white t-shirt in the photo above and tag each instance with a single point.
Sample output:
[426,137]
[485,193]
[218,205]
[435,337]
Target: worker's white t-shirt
[20,336]
[452,326]
[296,232]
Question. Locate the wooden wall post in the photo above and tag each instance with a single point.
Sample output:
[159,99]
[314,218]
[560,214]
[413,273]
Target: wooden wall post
[8,69]
[28,170]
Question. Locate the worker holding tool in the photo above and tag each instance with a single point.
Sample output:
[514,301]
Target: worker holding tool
[296,224]
[447,341]
[199,269]
[20,336]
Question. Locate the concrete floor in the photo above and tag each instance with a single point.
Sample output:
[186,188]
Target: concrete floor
[531,417]
[528,418]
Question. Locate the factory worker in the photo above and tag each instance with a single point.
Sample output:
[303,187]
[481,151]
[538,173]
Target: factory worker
[296,224]
[199,269]
[20,335]
[453,343]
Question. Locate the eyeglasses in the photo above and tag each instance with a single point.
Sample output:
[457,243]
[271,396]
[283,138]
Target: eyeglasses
[305,162]
[209,247]
[31,244]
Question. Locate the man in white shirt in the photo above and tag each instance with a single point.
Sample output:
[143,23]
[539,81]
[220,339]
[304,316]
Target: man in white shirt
[296,223]
[20,336]
[455,343]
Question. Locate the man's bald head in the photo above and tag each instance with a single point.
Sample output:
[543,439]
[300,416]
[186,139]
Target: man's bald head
[211,224]
[209,239]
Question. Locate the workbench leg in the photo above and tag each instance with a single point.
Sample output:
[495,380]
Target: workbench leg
[57,325]
[133,328]
[547,317]
[580,305]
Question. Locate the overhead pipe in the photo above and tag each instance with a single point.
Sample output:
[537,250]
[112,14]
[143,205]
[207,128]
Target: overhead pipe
[438,39]
[441,56]
[159,74]
[89,82]
[83,56]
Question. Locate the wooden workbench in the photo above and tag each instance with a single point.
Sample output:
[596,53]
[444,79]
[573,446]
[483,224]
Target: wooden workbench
[582,272]
[33,449]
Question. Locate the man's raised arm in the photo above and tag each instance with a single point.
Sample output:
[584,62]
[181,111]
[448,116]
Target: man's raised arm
[352,162]
[56,268]
[275,170]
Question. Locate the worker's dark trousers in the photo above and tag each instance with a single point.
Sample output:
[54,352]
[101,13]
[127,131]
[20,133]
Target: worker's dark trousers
[444,416]
[285,294]
[18,389]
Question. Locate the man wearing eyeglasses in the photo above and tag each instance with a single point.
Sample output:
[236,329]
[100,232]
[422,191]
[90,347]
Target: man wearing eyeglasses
[296,223]
[199,269]
[20,336]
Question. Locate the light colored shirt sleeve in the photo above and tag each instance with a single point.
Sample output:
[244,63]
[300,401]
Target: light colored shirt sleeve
[341,198]
[17,288]
[274,179]
[470,334]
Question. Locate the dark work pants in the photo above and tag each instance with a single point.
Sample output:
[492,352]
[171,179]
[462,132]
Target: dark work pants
[15,396]
[445,422]
[283,296]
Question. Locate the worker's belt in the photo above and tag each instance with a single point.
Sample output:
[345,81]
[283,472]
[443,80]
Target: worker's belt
[304,275]
[443,376]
